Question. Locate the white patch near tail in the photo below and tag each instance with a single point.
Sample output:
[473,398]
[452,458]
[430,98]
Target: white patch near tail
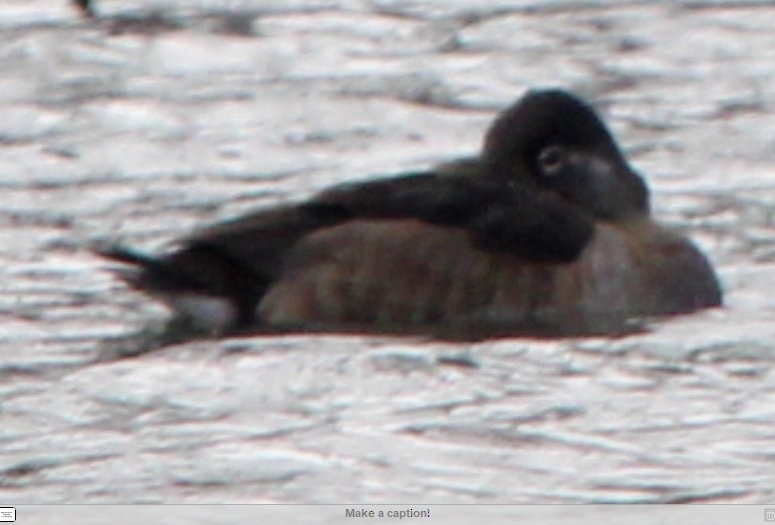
[215,314]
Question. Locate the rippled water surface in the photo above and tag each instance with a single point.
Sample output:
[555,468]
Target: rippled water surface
[162,115]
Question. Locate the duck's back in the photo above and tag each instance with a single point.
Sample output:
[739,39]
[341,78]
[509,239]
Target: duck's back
[404,276]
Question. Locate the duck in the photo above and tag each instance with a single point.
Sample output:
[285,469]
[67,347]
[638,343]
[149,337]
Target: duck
[547,232]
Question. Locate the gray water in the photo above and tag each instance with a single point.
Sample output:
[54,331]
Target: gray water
[165,115]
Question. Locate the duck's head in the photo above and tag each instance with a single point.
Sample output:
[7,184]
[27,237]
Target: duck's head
[554,141]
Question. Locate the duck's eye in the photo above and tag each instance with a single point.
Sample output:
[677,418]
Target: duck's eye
[551,159]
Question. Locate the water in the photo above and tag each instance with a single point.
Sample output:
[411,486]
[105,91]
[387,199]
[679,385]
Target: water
[138,129]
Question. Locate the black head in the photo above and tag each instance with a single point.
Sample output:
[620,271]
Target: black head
[554,141]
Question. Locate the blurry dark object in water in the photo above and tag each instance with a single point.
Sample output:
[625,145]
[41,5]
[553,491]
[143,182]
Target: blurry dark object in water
[548,232]
[86,8]
[146,23]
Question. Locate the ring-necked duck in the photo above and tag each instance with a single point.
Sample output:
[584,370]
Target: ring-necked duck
[547,232]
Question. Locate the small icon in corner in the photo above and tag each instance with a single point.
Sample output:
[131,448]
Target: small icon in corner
[769,514]
[7,514]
